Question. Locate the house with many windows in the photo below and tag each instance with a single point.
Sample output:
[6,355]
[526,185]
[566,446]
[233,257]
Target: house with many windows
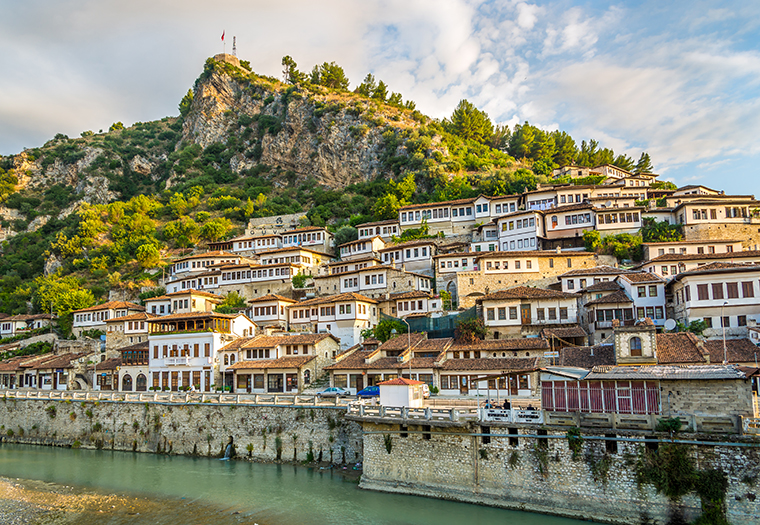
[343,315]
[521,231]
[270,310]
[525,311]
[95,317]
[311,237]
[722,295]
[361,248]
[451,217]
[278,363]
[383,229]
[414,256]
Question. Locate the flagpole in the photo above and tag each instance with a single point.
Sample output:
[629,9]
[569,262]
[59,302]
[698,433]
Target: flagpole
[224,43]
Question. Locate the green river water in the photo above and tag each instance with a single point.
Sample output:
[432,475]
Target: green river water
[202,491]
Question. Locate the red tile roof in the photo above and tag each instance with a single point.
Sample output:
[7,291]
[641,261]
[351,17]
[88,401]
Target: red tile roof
[282,362]
[737,350]
[401,381]
[348,296]
[111,305]
[526,292]
[678,348]
[502,364]
[272,297]
[618,297]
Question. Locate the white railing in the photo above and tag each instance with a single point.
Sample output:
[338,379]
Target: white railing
[176,397]
[751,425]
[512,415]
[176,361]
[411,413]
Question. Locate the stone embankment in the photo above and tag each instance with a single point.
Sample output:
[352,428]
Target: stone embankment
[262,432]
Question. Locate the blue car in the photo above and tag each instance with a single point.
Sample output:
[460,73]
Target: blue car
[370,391]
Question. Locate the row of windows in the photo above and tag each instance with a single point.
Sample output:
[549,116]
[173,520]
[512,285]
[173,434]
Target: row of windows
[642,291]
[582,282]
[410,306]
[506,208]
[655,312]
[348,268]
[540,313]
[303,237]
[521,244]
[357,247]
[324,311]
[481,208]
[612,218]
[269,241]
[386,230]
[184,351]
[718,293]
[519,223]
[497,265]
[96,316]
[255,274]
[578,198]
[284,260]
[725,322]
[454,264]
[267,310]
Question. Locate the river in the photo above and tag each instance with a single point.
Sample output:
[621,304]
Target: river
[154,489]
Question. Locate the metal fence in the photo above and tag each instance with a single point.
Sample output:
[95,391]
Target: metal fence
[620,397]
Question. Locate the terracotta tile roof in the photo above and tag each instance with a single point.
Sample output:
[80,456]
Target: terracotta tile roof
[407,244]
[596,270]
[143,345]
[601,286]
[526,292]
[534,253]
[271,297]
[206,256]
[58,361]
[13,364]
[140,316]
[356,362]
[569,207]
[358,241]
[354,261]
[587,356]
[730,256]
[564,332]
[272,341]
[189,291]
[502,364]
[490,345]
[679,348]
[115,305]
[377,223]
[401,381]
[348,296]
[108,364]
[189,315]
[737,350]
[618,297]
[436,204]
[671,243]
[421,362]
[411,295]
[401,342]
[305,229]
[434,345]
[282,362]
[642,277]
[27,317]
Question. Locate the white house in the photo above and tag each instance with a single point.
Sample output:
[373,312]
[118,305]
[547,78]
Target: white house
[95,317]
[311,237]
[270,310]
[361,248]
[383,229]
[414,256]
[343,315]
[524,310]
[521,231]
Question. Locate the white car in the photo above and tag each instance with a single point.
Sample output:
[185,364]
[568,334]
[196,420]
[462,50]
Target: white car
[333,391]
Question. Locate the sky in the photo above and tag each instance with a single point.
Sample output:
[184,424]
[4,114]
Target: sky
[679,80]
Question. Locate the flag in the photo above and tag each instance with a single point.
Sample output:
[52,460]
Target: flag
[223,36]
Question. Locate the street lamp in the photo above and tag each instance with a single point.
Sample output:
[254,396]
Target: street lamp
[723,324]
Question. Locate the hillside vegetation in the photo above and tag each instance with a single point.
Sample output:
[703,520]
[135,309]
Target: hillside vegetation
[109,210]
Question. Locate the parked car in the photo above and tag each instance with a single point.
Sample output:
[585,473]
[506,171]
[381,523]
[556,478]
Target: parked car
[333,391]
[370,391]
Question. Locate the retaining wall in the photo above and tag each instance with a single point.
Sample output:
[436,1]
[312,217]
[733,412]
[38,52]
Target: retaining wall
[194,428]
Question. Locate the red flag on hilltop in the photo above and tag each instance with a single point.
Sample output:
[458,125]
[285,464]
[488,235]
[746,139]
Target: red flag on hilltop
[223,36]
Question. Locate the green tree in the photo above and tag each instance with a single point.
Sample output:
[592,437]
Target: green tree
[290,72]
[368,86]
[299,280]
[116,126]
[521,142]
[381,91]
[663,185]
[330,75]
[469,123]
[623,162]
[565,150]
[216,229]
[396,100]
[186,103]
[500,138]
[88,133]
[383,328]
[644,165]
[346,234]
[543,145]
[386,207]
[184,232]
[663,231]
[231,304]
[148,255]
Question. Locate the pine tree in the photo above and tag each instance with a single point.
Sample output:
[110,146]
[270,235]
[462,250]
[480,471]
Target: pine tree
[644,165]
[469,123]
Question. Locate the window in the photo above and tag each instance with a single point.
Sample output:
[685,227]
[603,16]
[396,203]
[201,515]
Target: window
[489,314]
[552,314]
[569,263]
[563,313]
[570,284]
[635,346]
[717,290]
[502,314]
[747,290]
[708,322]
[732,290]
[742,320]
[653,290]
[513,312]
[702,293]
[540,314]
[726,322]
[642,291]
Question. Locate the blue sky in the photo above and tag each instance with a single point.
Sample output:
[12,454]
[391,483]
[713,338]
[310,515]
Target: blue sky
[680,80]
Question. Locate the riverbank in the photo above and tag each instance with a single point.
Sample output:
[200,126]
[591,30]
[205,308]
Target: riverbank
[30,502]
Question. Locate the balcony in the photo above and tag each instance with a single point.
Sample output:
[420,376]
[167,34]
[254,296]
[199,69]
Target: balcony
[177,361]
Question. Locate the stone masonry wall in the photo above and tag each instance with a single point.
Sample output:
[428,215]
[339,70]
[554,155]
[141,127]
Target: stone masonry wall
[201,429]
[596,485]
[748,233]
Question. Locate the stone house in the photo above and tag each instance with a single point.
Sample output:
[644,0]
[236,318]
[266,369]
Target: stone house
[524,311]
[184,348]
[374,281]
[249,280]
[283,363]
[451,217]
[309,260]
[655,249]
[343,315]
[723,295]
[574,280]
[501,270]
[131,367]
[182,301]
[95,317]
[670,264]
[270,310]
[251,245]
[521,230]
[127,330]
[337,267]
[18,324]
[614,221]
[312,237]
[564,226]
[383,229]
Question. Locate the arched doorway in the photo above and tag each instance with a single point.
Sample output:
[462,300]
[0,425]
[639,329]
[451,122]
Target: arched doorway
[142,383]
[126,383]
[306,377]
